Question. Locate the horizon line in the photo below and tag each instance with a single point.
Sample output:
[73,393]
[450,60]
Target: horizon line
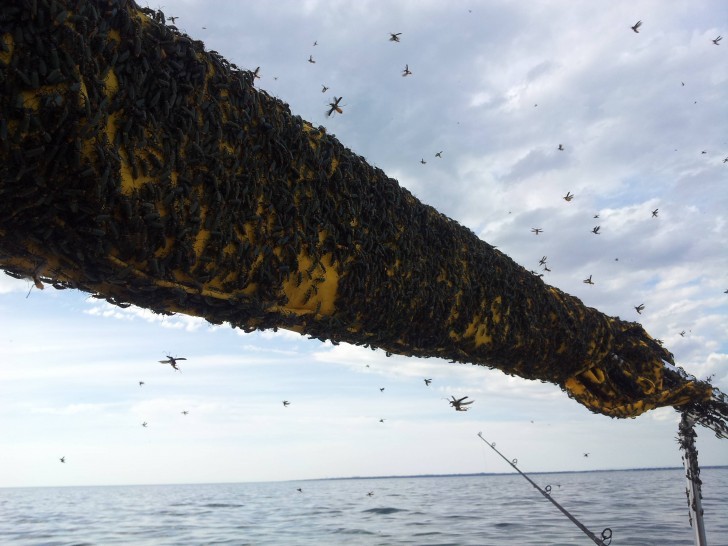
[381,477]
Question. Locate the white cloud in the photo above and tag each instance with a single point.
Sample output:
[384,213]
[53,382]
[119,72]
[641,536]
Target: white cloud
[104,309]
[73,409]
[10,284]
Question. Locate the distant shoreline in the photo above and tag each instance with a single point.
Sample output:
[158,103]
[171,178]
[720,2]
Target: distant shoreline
[391,477]
[476,474]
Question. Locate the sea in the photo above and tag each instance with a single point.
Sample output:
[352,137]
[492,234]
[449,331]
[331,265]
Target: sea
[640,507]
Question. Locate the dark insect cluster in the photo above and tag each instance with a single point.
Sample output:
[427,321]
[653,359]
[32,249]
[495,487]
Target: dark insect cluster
[149,171]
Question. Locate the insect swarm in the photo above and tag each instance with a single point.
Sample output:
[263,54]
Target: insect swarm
[179,187]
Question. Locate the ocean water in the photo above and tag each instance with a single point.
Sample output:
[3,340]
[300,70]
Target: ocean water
[646,507]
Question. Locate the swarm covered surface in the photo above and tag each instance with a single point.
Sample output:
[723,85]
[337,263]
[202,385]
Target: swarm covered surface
[137,166]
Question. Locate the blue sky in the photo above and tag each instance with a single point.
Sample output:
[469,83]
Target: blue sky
[495,86]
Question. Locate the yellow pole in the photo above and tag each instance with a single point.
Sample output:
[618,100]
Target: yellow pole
[137,166]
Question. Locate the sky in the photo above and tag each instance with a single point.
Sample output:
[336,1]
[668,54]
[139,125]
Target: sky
[496,86]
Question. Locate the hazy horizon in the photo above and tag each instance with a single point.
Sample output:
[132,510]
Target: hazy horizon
[382,477]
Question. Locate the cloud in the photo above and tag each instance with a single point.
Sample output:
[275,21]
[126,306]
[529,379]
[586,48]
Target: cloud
[10,284]
[74,409]
[103,309]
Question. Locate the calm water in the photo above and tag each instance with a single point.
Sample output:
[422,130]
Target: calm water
[641,508]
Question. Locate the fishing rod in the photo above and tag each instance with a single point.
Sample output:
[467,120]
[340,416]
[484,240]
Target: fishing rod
[606,538]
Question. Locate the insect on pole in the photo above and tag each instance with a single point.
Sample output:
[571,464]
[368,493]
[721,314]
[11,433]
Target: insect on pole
[606,537]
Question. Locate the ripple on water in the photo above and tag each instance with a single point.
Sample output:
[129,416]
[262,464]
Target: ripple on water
[387,510]
[350,531]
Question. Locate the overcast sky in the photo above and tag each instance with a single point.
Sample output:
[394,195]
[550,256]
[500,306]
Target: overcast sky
[496,87]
